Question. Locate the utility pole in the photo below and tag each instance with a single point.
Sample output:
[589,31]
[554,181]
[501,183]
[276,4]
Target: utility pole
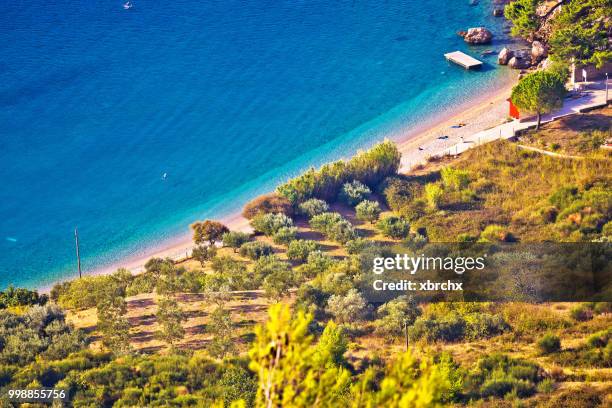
[406,334]
[76,241]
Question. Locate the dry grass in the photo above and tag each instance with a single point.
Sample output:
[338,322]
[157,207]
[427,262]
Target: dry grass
[573,134]
[247,309]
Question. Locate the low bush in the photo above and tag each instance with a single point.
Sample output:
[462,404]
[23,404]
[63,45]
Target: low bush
[313,207]
[498,375]
[394,227]
[334,227]
[400,193]
[434,194]
[358,245]
[270,224]
[348,308]
[285,235]
[256,249]
[235,239]
[368,211]
[456,324]
[454,179]
[549,344]
[299,250]
[599,339]
[496,233]
[354,192]
[267,204]
[12,297]
[581,313]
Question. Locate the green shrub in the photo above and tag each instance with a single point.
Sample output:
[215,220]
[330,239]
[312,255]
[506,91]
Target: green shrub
[143,283]
[358,245]
[503,385]
[21,297]
[285,235]
[41,332]
[546,386]
[466,238]
[395,315]
[334,227]
[269,224]
[342,232]
[496,233]
[581,313]
[498,375]
[204,253]
[434,194]
[549,214]
[256,249]
[323,222]
[394,227]
[354,192]
[318,262]
[348,308]
[269,265]
[369,167]
[450,328]
[599,339]
[368,211]
[454,179]
[414,210]
[300,249]
[563,197]
[230,272]
[235,239]
[313,207]
[400,193]
[483,325]
[549,344]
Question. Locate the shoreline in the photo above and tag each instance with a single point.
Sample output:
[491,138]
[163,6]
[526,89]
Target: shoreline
[479,113]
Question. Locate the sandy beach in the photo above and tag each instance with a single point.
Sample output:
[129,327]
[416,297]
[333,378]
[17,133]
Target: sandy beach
[415,144]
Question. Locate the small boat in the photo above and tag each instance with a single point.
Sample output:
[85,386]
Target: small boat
[164,176]
[128,5]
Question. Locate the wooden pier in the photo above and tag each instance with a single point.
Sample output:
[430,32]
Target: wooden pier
[462,59]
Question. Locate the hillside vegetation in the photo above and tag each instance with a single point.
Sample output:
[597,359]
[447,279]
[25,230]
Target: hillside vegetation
[206,331]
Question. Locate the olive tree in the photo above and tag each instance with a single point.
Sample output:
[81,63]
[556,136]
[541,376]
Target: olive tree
[368,211]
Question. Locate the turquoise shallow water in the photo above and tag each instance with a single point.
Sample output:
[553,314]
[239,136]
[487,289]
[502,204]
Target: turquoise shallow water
[226,97]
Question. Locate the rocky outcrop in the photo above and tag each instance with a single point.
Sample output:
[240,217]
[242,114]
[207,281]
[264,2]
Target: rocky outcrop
[519,63]
[521,59]
[504,56]
[478,35]
[538,51]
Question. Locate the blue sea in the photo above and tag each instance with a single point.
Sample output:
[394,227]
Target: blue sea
[226,97]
